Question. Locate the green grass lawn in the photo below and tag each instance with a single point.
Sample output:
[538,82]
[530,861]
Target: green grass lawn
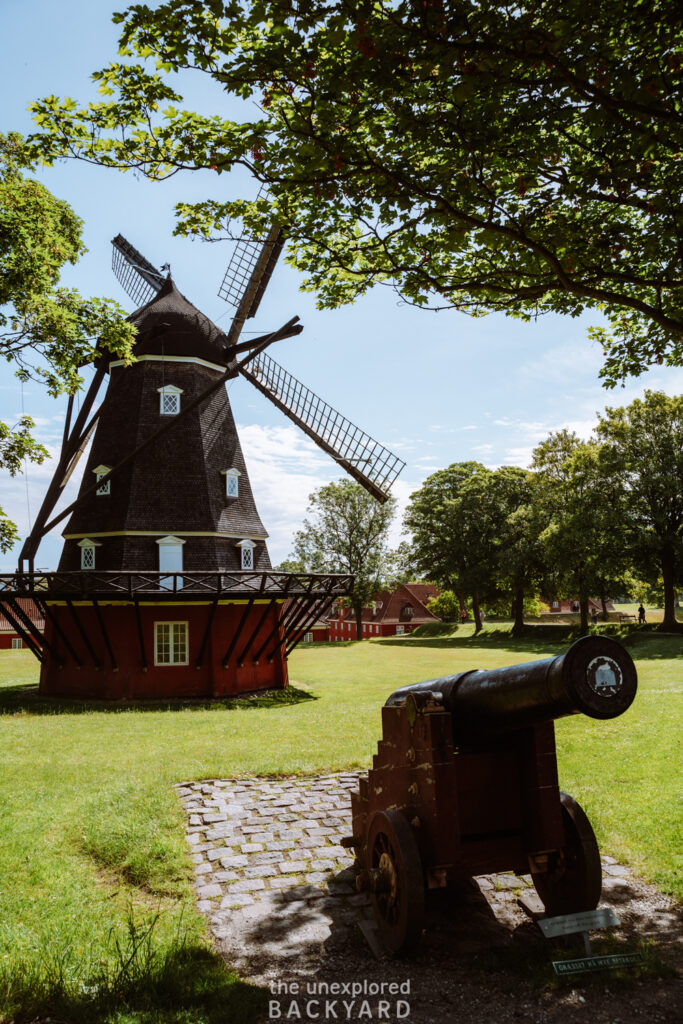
[97,920]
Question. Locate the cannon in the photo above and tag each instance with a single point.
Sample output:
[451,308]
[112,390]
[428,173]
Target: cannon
[464,783]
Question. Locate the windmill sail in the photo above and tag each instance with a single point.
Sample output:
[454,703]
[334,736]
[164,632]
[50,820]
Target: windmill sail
[247,276]
[136,275]
[366,460]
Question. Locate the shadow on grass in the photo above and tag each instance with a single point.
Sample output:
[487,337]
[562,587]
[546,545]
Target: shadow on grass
[26,700]
[190,984]
[643,641]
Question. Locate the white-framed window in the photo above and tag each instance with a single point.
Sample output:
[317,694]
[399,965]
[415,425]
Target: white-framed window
[87,547]
[99,472]
[171,645]
[247,554]
[169,400]
[556,604]
[232,482]
[407,611]
[308,638]
[170,558]
[17,643]
[400,630]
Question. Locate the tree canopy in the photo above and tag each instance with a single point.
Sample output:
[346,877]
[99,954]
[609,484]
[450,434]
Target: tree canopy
[48,332]
[471,154]
[347,532]
[645,445]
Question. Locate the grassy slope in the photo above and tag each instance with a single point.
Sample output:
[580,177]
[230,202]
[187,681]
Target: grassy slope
[92,832]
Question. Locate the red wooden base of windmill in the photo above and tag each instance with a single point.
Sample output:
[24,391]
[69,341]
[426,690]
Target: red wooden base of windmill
[119,636]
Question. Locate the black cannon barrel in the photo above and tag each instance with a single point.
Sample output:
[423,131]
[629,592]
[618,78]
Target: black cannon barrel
[595,677]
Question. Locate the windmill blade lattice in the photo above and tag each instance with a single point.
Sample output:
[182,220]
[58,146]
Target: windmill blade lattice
[366,460]
[136,275]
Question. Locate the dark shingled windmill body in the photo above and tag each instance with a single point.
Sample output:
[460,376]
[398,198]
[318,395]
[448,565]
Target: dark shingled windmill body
[165,587]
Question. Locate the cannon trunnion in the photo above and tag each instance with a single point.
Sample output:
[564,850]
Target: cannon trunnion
[465,783]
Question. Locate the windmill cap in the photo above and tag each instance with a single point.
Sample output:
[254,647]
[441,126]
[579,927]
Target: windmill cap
[170,325]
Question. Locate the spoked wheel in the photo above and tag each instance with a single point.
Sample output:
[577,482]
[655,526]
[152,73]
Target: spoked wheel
[397,882]
[574,882]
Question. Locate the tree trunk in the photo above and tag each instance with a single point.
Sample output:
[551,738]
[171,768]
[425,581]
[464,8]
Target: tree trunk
[518,606]
[603,602]
[358,609]
[477,612]
[583,611]
[669,624]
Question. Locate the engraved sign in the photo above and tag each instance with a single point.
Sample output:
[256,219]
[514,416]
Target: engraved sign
[596,963]
[604,676]
[569,924]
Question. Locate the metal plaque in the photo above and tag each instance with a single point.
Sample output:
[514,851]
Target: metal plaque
[596,963]
[604,676]
[569,924]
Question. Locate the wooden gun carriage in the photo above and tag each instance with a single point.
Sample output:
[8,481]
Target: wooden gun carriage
[465,783]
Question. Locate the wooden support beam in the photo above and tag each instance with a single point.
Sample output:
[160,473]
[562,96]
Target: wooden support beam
[84,635]
[233,642]
[39,637]
[292,625]
[318,613]
[207,632]
[250,641]
[18,628]
[105,635]
[49,614]
[69,447]
[141,638]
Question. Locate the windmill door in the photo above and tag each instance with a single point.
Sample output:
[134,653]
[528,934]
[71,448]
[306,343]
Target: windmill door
[171,560]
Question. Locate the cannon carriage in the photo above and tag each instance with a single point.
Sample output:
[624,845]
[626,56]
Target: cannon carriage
[465,783]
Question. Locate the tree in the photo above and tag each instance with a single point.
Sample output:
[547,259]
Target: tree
[347,533]
[46,331]
[645,441]
[453,521]
[520,561]
[584,504]
[470,153]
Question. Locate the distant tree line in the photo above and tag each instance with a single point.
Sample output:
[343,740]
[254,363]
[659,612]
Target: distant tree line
[589,519]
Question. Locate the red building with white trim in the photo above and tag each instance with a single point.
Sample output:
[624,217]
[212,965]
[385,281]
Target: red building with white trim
[392,613]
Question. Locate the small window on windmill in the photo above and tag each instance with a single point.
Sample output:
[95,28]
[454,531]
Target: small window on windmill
[99,472]
[87,547]
[171,643]
[247,554]
[232,482]
[169,397]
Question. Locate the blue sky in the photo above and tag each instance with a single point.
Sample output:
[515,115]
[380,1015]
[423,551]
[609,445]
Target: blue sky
[435,388]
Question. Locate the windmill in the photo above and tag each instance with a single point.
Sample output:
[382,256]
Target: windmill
[165,587]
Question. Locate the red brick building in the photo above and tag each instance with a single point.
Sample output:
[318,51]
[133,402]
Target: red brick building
[392,613]
[28,613]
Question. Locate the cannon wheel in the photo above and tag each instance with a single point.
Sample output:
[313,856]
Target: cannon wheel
[574,883]
[398,895]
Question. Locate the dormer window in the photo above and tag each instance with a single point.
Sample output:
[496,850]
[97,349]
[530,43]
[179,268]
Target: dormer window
[169,397]
[247,553]
[87,547]
[407,611]
[232,482]
[99,472]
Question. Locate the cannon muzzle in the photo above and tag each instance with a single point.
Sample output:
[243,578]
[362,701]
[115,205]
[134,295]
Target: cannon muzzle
[595,677]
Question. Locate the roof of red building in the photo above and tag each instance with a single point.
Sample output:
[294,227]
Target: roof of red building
[390,605]
[29,608]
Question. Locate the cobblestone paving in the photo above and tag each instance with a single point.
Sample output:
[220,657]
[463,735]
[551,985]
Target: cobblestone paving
[274,881]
